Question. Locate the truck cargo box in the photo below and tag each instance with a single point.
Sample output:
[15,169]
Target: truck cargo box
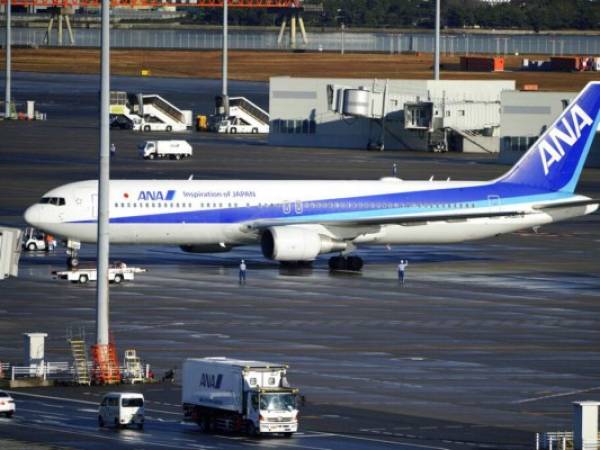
[220,382]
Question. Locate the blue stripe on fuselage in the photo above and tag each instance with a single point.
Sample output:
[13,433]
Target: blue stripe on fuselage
[404,203]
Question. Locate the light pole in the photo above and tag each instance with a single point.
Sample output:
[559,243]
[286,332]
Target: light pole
[436,62]
[103,184]
[8,61]
[224,62]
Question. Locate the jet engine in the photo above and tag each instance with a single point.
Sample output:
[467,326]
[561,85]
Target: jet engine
[206,248]
[291,243]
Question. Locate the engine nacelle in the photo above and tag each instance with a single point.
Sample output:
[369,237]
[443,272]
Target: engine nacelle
[291,243]
[206,248]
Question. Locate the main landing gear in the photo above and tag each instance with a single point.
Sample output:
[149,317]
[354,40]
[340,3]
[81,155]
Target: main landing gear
[349,263]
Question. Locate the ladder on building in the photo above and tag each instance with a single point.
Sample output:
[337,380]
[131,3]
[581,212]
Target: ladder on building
[81,374]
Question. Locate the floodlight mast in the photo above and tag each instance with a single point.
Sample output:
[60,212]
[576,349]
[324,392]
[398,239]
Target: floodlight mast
[102,298]
[436,62]
[8,60]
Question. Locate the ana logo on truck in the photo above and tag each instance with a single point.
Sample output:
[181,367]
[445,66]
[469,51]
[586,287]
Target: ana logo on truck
[157,195]
[211,381]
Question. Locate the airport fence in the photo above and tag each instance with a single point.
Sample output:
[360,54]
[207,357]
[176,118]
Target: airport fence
[331,41]
[64,372]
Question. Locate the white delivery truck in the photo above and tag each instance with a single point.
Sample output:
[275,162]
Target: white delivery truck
[235,395]
[172,149]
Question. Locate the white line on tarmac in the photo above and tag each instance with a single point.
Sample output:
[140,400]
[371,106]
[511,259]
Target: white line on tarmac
[87,433]
[563,394]
[383,441]
[85,402]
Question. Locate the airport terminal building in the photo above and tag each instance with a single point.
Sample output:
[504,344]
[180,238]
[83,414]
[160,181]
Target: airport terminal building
[393,114]
[427,115]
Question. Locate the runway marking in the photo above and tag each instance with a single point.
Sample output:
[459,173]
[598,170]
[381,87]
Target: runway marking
[383,441]
[85,402]
[562,394]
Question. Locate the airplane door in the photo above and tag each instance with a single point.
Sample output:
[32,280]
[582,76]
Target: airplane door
[94,206]
[494,201]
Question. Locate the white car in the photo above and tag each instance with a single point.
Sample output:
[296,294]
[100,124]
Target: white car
[7,404]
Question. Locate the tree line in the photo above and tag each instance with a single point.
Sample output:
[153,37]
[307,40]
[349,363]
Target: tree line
[536,15]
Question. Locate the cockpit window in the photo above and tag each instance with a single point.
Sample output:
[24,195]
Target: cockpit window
[58,201]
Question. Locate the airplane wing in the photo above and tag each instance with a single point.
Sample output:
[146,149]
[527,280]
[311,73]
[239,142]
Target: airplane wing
[567,204]
[408,219]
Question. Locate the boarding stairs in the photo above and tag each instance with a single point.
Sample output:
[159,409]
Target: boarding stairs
[81,374]
[156,106]
[248,111]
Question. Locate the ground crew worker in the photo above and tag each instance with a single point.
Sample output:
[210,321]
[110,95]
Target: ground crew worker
[401,268]
[113,149]
[243,272]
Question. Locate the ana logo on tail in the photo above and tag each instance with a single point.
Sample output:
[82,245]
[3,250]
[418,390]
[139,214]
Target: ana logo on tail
[551,148]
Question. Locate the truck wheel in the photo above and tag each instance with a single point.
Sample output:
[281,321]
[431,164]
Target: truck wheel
[177,156]
[151,156]
[32,247]
[100,421]
[254,130]
[288,435]
[140,426]
[83,279]
[146,127]
[118,278]
[233,130]
[169,128]
[251,428]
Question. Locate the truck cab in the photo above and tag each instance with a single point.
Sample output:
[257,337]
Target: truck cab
[272,411]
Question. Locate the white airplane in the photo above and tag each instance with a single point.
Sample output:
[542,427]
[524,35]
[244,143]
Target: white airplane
[299,220]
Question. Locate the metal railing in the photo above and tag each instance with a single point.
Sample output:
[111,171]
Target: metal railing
[61,371]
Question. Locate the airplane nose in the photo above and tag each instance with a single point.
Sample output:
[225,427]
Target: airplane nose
[32,215]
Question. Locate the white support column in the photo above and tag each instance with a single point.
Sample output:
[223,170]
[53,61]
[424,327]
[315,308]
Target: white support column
[60,29]
[585,424]
[70,30]
[281,31]
[302,30]
[293,31]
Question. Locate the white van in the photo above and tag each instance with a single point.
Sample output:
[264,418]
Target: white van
[121,409]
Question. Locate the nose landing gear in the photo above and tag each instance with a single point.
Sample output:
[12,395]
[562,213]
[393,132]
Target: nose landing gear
[73,254]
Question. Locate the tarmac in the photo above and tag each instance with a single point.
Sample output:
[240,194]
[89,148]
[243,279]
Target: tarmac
[488,343]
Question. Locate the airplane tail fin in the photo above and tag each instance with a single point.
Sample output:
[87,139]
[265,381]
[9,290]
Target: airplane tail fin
[556,159]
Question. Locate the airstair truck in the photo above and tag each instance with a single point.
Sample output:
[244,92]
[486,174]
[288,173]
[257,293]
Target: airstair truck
[243,396]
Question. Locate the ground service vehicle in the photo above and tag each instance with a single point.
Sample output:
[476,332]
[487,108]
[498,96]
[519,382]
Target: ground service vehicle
[7,404]
[117,273]
[234,125]
[235,395]
[34,240]
[172,149]
[121,409]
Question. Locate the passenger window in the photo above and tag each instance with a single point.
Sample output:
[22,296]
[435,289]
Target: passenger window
[61,201]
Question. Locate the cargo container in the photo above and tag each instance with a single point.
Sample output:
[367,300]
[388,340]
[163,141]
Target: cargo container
[481,64]
[566,63]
